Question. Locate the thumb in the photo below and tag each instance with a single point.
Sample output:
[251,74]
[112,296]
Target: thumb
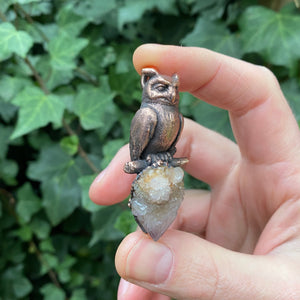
[184,266]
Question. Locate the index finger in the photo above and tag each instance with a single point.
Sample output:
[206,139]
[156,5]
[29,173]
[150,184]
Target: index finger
[262,121]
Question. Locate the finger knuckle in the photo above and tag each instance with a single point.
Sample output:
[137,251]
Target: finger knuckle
[268,75]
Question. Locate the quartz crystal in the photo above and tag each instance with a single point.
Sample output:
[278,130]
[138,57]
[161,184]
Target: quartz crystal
[155,198]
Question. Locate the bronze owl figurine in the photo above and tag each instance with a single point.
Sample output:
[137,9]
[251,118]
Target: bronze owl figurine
[158,189]
[157,125]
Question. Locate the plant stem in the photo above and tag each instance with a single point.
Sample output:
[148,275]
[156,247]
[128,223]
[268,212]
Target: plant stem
[20,9]
[87,76]
[276,5]
[10,202]
[81,152]
[50,272]
[2,16]
[37,76]
[81,71]
[43,86]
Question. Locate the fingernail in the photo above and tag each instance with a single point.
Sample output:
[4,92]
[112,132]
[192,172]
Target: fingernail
[150,262]
[95,183]
[100,176]
[123,288]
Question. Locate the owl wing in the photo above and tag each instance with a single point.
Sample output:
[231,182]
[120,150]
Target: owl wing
[142,129]
[173,148]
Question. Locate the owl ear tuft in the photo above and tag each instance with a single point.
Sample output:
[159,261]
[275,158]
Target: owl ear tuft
[147,73]
[175,80]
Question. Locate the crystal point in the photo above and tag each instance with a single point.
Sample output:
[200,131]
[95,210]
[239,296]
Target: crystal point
[155,198]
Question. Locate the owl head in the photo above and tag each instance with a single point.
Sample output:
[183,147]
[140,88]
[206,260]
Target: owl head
[159,88]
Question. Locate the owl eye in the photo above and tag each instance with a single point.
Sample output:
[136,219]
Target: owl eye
[162,87]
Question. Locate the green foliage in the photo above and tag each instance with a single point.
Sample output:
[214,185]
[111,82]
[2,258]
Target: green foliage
[214,36]
[95,107]
[263,30]
[68,91]
[36,109]
[13,41]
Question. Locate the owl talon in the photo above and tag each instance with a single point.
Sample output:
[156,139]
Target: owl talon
[162,156]
[153,160]
[165,156]
[159,159]
[150,159]
[169,156]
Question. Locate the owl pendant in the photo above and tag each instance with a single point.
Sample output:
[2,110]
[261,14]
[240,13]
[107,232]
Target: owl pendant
[157,191]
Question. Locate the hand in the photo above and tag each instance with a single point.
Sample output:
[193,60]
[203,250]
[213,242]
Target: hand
[242,239]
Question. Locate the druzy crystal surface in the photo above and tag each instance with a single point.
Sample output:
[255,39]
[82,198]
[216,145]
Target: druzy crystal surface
[155,198]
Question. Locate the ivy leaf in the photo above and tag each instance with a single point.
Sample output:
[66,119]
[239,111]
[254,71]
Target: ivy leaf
[39,140]
[25,1]
[57,78]
[60,198]
[13,41]
[127,85]
[209,116]
[275,35]
[54,77]
[213,9]
[52,162]
[10,86]
[291,90]
[5,133]
[134,9]
[36,7]
[59,203]
[40,228]
[22,287]
[95,10]
[103,223]
[63,49]
[24,233]
[12,251]
[47,246]
[36,110]
[125,222]
[41,33]
[50,261]
[64,269]
[28,203]
[123,61]
[94,107]
[97,58]
[214,36]
[79,294]
[71,22]
[4,4]
[8,171]
[59,173]
[7,110]
[70,144]
[52,292]
[14,284]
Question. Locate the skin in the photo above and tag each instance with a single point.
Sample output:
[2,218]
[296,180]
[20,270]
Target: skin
[242,239]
